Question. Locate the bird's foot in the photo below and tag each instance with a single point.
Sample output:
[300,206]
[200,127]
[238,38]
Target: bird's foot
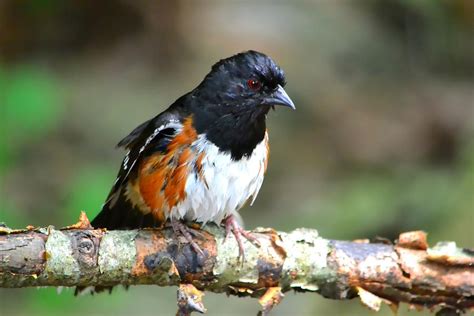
[181,229]
[231,225]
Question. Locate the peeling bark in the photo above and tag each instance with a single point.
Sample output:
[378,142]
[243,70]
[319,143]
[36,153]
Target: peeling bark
[407,271]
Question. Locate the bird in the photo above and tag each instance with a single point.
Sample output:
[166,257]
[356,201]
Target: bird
[204,157]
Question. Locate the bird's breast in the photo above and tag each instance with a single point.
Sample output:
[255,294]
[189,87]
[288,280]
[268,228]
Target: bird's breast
[219,185]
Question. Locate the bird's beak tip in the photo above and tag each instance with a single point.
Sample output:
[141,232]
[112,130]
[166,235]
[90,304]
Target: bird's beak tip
[280,97]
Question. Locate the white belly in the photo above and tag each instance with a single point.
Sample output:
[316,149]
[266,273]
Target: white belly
[228,183]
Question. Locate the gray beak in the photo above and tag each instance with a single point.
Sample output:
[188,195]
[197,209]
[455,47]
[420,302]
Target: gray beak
[279,97]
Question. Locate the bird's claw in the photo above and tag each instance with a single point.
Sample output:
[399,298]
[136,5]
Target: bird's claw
[231,225]
[183,230]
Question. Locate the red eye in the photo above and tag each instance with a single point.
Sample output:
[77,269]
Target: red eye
[253,84]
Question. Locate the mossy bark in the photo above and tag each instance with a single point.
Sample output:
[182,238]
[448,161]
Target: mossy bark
[407,271]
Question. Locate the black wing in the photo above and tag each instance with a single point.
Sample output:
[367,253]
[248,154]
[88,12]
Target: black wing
[151,136]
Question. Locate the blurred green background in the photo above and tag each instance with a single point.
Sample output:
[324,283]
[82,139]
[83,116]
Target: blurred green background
[382,140]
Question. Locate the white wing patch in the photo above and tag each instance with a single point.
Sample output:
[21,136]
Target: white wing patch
[230,183]
[175,124]
[125,162]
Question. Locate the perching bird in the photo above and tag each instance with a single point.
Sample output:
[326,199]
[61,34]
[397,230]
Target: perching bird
[204,157]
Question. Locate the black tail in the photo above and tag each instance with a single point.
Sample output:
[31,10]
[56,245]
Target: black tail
[121,214]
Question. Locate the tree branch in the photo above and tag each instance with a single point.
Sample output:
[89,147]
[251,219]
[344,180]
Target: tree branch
[407,271]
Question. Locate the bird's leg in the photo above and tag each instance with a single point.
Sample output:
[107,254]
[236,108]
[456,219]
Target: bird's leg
[183,230]
[231,225]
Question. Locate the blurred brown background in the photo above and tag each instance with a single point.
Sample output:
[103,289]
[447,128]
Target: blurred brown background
[381,142]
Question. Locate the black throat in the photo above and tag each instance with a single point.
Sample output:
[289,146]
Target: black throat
[237,132]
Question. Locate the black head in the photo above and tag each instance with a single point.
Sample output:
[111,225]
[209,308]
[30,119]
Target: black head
[244,81]
[231,103]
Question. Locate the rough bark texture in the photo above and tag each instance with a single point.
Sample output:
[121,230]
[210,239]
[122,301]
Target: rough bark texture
[407,271]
